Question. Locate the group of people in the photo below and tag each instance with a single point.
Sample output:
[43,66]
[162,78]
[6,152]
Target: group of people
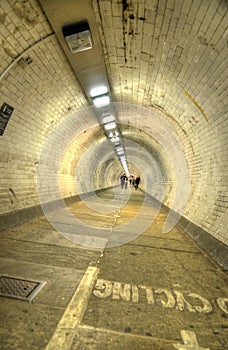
[134,181]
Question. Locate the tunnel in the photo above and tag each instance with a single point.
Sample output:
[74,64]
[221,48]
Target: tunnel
[92,90]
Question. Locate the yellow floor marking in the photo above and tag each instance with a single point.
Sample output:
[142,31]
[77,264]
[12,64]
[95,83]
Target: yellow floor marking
[111,332]
[189,338]
[64,334]
[190,342]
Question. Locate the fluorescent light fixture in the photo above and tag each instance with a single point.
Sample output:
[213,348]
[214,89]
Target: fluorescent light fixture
[108,119]
[112,135]
[105,113]
[99,90]
[110,126]
[101,101]
[114,139]
[78,36]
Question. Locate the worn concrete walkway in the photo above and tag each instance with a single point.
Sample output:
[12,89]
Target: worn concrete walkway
[133,288]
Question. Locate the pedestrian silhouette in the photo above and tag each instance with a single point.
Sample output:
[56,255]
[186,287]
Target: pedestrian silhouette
[136,182]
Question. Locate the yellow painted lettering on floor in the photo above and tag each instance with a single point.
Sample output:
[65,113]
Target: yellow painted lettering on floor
[170,301]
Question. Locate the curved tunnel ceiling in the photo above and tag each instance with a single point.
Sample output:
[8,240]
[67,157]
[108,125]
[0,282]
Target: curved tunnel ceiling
[166,70]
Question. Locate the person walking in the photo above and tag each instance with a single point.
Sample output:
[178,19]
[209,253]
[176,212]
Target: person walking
[130,179]
[136,182]
[126,182]
[122,180]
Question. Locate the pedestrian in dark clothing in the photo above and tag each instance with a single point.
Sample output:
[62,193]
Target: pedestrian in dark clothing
[122,180]
[136,182]
[126,182]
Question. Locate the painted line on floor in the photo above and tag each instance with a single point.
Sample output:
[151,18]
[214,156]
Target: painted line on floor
[190,342]
[189,338]
[64,334]
[82,328]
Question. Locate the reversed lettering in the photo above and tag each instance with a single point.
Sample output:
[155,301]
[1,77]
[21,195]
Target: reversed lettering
[182,302]
[121,291]
[135,294]
[103,289]
[206,308]
[222,304]
[161,296]
[149,294]
[170,299]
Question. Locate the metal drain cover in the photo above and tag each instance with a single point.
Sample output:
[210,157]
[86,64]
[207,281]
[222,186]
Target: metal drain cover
[19,288]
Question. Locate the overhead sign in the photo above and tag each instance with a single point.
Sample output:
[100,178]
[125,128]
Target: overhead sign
[5,114]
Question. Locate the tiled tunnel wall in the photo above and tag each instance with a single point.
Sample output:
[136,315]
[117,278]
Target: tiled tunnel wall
[166,56]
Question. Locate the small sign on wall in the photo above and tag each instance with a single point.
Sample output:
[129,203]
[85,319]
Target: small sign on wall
[5,114]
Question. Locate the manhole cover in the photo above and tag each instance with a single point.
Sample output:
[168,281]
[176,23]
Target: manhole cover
[19,288]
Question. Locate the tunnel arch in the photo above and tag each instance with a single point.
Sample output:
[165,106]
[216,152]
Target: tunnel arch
[177,71]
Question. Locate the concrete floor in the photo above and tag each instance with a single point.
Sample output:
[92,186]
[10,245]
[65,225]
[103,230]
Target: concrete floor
[155,291]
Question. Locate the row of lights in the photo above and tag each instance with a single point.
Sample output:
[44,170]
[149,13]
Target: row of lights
[101,98]
[78,37]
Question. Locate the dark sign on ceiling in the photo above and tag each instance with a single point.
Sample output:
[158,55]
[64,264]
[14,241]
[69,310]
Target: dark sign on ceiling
[5,114]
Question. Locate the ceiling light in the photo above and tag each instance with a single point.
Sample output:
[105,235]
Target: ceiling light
[108,119]
[114,134]
[119,149]
[110,126]
[78,36]
[101,101]
[99,90]
[105,113]
[114,139]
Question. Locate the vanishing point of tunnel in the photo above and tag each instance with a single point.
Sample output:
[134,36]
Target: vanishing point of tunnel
[113,174]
